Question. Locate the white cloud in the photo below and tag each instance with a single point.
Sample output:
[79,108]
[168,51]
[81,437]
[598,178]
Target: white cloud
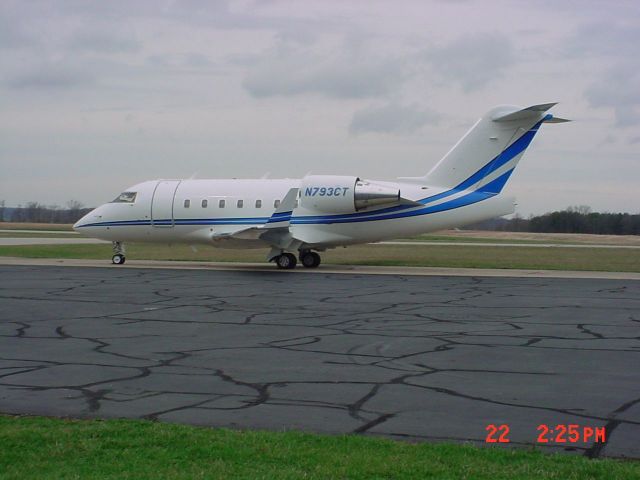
[473,60]
[392,118]
[49,75]
[103,40]
[616,86]
[346,71]
[603,39]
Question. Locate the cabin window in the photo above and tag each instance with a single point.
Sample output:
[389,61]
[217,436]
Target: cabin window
[205,203]
[240,203]
[276,203]
[187,203]
[258,203]
[221,203]
[125,197]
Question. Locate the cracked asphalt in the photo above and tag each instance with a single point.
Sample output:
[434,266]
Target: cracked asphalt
[420,358]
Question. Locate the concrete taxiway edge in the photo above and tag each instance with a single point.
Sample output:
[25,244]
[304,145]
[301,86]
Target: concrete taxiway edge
[324,269]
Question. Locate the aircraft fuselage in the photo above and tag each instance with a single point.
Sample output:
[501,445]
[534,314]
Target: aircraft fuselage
[318,212]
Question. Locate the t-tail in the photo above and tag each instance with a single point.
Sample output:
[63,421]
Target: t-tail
[484,159]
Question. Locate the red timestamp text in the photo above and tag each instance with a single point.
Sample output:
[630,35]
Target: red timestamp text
[497,433]
[570,434]
[561,433]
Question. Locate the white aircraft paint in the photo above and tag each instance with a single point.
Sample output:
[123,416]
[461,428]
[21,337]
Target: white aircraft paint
[325,211]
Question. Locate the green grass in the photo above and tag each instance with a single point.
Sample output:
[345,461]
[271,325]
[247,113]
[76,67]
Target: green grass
[463,256]
[37,234]
[35,447]
[567,239]
[463,239]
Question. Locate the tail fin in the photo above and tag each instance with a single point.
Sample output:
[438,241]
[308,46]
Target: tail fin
[485,157]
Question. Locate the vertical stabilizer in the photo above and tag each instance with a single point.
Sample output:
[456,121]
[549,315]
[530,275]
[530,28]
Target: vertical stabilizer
[487,154]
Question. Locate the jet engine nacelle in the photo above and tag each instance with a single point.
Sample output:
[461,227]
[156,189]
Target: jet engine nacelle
[344,194]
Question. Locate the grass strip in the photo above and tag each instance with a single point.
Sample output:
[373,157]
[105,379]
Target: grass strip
[462,256]
[36,447]
[456,239]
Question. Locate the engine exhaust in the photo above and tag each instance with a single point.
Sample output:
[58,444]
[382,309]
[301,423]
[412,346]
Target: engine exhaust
[368,194]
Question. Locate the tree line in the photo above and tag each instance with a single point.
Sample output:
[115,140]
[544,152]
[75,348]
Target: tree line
[34,212]
[578,219]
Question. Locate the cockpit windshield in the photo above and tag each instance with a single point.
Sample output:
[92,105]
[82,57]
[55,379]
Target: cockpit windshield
[125,197]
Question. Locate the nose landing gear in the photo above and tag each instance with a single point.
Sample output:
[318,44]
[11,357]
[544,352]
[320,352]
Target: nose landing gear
[118,253]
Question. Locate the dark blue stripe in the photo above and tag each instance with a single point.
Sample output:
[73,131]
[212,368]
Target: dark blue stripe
[282,214]
[278,220]
[185,221]
[496,186]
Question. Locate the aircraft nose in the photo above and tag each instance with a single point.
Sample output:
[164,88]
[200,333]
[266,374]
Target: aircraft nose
[78,224]
[82,222]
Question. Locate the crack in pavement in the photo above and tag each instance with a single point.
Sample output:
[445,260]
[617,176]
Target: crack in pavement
[408,357]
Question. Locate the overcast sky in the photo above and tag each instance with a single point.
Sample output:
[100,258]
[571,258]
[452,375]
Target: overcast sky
[97,96]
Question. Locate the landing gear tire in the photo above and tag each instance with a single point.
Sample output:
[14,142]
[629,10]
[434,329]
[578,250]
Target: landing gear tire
[118,253]
[310,259]
[286,261]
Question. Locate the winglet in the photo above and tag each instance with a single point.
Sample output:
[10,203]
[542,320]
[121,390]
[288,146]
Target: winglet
[282,216]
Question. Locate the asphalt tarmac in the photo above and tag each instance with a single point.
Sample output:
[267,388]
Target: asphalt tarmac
[420,358]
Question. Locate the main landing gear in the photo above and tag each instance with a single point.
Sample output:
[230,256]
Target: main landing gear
[118,253]
[288,261]
[309,259]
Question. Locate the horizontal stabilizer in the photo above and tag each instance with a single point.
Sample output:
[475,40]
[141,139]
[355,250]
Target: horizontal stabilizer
[554,119]
[529,112]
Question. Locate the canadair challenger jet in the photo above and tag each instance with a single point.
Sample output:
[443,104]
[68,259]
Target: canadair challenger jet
[317,212]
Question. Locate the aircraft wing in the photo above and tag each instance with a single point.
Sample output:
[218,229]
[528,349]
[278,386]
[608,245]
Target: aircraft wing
[273,232]
[281,218]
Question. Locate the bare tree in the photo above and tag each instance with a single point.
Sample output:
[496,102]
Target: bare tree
[74,205]
[73,213]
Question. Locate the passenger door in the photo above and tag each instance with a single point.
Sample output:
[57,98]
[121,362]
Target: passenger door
[162,203]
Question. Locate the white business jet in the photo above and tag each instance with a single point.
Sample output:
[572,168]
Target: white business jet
[317,212]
